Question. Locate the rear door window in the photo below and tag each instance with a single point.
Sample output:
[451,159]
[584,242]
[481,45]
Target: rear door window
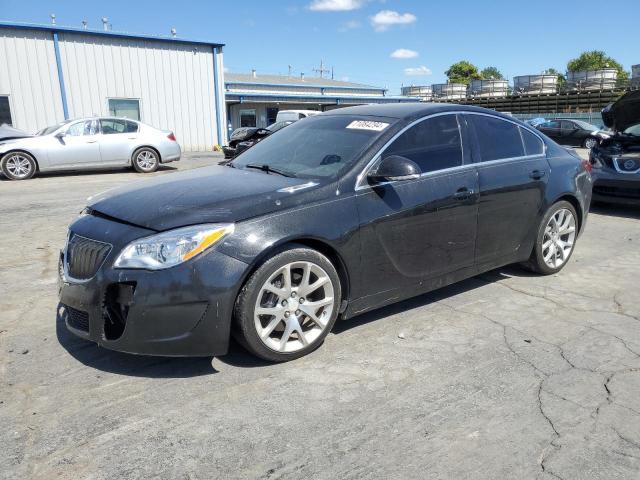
[434,144]
[111,126]
[131,127]
[497,139]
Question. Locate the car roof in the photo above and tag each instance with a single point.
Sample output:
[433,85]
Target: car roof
[100,117]
[411,111]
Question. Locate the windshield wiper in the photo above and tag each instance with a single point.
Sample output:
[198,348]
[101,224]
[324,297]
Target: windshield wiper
[268,169]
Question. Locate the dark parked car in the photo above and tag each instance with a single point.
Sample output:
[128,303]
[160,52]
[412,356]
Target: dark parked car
[246,137]
[575,133]
[616,161]
[338,214]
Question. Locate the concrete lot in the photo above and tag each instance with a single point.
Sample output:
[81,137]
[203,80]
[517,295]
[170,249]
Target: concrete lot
[507,375]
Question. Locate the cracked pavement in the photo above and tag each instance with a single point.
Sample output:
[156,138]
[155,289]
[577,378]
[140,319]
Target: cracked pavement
[506,375]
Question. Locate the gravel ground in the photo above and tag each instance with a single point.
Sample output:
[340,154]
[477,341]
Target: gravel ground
[506,375]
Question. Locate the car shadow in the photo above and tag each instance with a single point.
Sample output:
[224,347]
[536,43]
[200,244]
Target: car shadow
[80,173]
[622,211]
[91,355]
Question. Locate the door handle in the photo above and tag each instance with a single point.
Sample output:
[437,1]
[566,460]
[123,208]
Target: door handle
[91,141]
[463,193]
[537,174]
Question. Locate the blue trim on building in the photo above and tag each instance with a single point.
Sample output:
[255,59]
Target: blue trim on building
[216,94]
[242,96]
[63,91]
[105,33]
[305,85]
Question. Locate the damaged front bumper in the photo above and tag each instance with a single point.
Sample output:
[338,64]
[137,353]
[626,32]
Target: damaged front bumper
[184,310]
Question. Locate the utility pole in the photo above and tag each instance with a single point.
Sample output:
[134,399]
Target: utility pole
[321,70]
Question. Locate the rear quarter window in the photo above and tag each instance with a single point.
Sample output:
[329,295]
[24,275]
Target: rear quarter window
[532,143]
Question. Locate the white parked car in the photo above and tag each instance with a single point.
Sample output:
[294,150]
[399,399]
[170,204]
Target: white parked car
[89,143]
[293,115]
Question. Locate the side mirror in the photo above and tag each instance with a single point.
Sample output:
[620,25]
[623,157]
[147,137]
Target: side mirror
[60,135]
[393,168]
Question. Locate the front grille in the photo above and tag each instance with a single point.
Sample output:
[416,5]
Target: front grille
[77,318]
[85,256]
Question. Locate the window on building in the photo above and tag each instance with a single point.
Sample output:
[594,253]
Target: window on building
[124,107]
[497,138]
[434,144]
[5,111]
[248,118]
[272,115]
[110,126]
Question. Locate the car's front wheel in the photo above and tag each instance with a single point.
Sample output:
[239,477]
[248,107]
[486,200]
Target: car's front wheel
[145,160]
[555,240]
[288,306]
[18,165]
[589,142]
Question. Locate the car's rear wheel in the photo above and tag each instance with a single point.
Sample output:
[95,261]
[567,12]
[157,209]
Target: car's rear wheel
[589,143]
[288,306]
[555,240]
[145,160]
[18,165]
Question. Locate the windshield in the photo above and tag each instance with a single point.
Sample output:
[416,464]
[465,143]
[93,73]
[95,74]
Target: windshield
[49,130]
[633,130]
[586,126]
[318,147]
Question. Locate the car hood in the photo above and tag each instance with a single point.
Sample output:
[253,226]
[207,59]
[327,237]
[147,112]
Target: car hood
[623,113]
[216,194]
[26,143]
[9,133]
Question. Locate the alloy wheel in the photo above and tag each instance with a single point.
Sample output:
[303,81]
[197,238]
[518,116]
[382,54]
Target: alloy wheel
[559,238]
[18,165]
[146,160]
[590,143]
[294,306]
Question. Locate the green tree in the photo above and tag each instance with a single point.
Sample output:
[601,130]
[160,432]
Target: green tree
[491,73]
[596,60]
[462,72]
[561,78]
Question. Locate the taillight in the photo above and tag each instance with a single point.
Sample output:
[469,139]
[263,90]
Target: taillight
[172,137]
[587,165]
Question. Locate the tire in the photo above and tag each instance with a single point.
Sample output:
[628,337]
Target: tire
[549,256]
[18,165]
[589,143]
[145,160]
[287,306]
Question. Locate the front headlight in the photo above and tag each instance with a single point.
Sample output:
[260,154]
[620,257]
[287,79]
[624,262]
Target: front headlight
[170,248]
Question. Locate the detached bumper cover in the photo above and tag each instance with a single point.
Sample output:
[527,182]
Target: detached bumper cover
[181,311]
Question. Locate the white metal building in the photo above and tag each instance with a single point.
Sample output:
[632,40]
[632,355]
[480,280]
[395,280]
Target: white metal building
[51,73]
[253,100]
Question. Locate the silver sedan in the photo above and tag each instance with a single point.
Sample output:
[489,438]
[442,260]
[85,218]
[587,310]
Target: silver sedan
[89,143]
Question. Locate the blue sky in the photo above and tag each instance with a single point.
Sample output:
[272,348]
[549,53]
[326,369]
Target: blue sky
[358,37]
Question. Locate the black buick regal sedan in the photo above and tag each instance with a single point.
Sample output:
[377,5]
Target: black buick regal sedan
[334,216]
